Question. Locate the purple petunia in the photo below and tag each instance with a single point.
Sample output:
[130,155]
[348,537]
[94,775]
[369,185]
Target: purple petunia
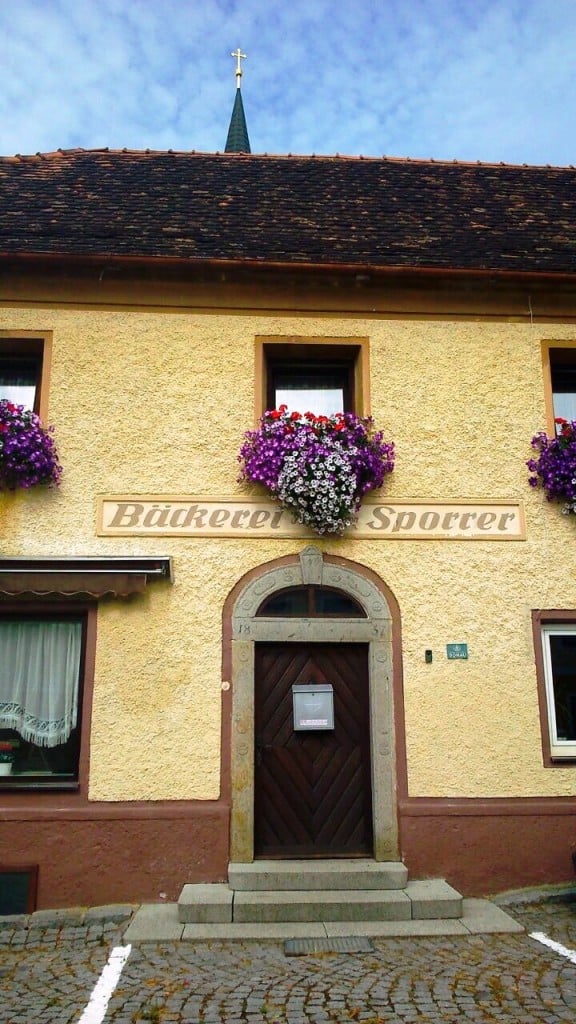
[28,453]
[555,466]
[318,467]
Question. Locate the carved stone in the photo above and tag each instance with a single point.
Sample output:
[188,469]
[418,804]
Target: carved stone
[311,563]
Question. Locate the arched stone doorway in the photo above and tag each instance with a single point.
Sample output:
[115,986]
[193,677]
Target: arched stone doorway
[372,631]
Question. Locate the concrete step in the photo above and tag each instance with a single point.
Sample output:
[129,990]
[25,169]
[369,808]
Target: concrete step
[348,874]
[160,923]
[428,900]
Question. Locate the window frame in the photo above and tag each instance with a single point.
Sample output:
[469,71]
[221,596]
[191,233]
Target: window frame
[22,345]
[545,623]
[349,353]
[549,350]
[50,610]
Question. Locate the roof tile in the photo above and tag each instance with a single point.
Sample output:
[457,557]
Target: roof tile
[299,209]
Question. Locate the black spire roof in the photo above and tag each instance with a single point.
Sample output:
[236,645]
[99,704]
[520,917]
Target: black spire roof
[238,141]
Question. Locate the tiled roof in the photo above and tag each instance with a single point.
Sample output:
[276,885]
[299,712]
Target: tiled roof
[292,209]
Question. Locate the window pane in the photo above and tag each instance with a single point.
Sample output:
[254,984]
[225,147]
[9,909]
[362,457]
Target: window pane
[331,602]
[18,380]
[286,602]
[310,388]
[325,402]
[565,405]
[563,370]
[563,659]
[311,601]
[19,394]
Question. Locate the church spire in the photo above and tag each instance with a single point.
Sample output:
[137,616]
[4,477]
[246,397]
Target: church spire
[238,141]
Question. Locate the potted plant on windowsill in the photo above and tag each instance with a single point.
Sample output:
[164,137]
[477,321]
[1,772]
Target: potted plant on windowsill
[554,468]
[317,467]
[28,455]
[7,754]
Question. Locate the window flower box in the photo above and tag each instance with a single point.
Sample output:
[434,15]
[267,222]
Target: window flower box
[554,467]
[28,455]
[317,467]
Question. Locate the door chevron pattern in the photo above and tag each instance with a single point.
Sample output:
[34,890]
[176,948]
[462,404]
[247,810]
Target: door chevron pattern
[312,789]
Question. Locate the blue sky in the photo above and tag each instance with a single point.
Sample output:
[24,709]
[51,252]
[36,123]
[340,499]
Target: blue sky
[489,80]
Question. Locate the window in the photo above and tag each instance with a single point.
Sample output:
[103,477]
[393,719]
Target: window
[311,602]
[322,376]
[563,377]
[310,386]
[18,381]
[23,370]
[41,672]
[559,649]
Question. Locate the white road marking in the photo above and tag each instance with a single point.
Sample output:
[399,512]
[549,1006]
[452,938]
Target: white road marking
[570,954]
[104,987]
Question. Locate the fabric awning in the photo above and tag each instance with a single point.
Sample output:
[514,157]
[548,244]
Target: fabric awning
[96,578]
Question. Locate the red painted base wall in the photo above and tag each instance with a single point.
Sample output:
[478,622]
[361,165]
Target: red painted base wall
[147,853]
[486,854]
[135,860]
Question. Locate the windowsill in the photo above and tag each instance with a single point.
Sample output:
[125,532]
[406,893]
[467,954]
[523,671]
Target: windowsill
[35,781]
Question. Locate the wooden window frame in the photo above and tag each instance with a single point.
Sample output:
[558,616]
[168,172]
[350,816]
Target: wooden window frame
[541,619]
[349,351]
[548,348]
[36,345]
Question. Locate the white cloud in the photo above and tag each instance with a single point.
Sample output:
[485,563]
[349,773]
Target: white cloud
[488,80]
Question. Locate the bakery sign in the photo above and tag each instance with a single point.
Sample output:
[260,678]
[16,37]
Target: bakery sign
[166,516]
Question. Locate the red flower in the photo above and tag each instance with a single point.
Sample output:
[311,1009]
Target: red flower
[294,415]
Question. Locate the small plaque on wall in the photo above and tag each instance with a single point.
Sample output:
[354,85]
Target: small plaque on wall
[457,652]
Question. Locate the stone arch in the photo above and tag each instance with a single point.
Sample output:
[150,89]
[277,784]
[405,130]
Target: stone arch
[313,566]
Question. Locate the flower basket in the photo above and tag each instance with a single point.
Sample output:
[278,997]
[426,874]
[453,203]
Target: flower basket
[555,466]
[28,455]
[317,467]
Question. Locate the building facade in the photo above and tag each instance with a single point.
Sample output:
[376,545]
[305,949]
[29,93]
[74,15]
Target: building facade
[156,305]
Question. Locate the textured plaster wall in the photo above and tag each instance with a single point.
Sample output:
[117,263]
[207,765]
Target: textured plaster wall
[148,402]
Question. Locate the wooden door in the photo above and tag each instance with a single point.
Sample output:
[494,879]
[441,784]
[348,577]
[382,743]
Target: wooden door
[313,793]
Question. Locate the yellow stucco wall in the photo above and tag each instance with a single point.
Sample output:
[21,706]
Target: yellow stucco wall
[151,402]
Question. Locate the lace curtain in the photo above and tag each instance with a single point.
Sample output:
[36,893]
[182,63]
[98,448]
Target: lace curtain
[39,669]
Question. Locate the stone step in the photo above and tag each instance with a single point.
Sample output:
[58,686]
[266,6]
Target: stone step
[348,874]
[428,900]
[159,923]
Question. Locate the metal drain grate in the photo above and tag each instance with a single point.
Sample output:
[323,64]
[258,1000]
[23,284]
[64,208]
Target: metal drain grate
[338,944]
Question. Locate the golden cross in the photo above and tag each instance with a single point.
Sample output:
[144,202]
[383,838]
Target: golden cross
[239,56]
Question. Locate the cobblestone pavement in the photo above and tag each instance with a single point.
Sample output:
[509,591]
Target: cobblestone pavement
[48,973]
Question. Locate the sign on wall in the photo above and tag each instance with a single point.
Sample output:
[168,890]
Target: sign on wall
[166,516]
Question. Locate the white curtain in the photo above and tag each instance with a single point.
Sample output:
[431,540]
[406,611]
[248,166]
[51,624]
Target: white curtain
[39,669]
